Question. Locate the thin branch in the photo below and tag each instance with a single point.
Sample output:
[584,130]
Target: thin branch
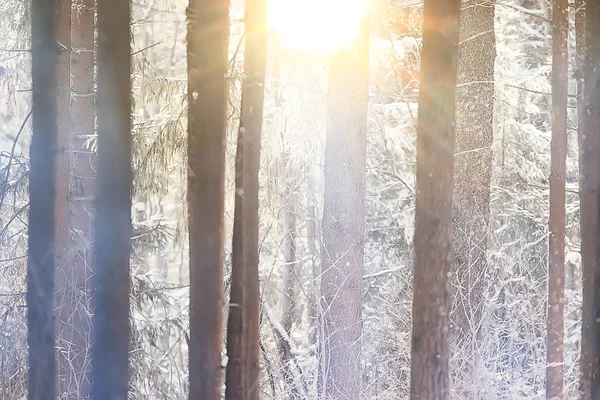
[10,160]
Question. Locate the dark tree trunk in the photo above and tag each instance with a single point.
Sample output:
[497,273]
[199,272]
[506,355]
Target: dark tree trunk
[473,173]
[243,329]
[113,203]
[42,192]
[208,38]
[344,220]
[556,241]
[433,214]
[589,169]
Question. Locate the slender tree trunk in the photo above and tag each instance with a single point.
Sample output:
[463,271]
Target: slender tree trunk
[243,327]
[433,214]
[473,173]
[42,191]
[589,170]
[344,220]
[556,242]
[208,38]
[113,203]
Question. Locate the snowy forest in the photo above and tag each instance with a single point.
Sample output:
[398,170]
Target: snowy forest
[299,200]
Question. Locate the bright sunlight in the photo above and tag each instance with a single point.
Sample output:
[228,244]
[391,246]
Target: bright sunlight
[318,25]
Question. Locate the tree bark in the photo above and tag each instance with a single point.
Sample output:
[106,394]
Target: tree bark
[42,192]
[473,173]
[113,229]
[243,329]
[589,169]
[344,220]
[208,37]
[556,242]
[73,316]
[433,214]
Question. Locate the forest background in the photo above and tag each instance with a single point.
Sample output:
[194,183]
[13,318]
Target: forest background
[512,353]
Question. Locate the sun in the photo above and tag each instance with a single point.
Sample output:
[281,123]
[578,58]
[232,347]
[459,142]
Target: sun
[317,25]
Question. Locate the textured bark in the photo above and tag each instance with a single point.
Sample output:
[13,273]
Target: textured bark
[243,370]
[42,191]
[208,37]
[589,170]
[72,277]
[433,214]
[113,204]
[344,220]
[556,241]
[473,173]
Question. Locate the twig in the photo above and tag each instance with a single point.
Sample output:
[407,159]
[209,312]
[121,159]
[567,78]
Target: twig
[10,160]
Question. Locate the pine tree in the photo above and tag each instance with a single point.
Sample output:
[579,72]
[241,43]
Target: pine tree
[42,192]
[344,220]
[113,203]
[556,242]
[207,43]
[589,193]
[243,371]
[433,214]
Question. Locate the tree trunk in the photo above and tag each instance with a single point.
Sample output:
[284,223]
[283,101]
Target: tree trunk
[73,319]
[344,220]
[433,214]
[589,169]
[208,37]
[243,328]
[473,173]
[556,242]
[113,203]
[42,191]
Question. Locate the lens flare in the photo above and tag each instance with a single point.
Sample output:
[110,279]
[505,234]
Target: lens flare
[317,25]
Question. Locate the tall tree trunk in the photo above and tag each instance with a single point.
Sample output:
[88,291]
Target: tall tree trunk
[344,220]
[42,191]
[113,203]
[589,170]
[243,329]
[208,38]
[74,322]
[433,214]
[63,302]
[556,242]
[473,173]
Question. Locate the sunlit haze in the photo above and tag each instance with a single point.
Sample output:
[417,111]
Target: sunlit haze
[318,25]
